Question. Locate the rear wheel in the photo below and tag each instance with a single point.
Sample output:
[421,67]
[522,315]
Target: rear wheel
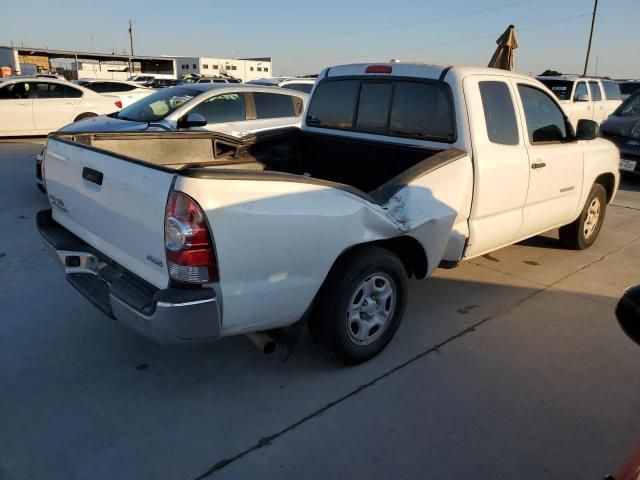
[582,233]
[360,305]
[84,116]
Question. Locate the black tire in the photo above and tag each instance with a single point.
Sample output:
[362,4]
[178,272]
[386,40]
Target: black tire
[84,116]
[329,324]
[575,235]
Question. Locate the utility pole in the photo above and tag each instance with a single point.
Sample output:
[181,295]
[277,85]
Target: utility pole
[131,35]
[593,21]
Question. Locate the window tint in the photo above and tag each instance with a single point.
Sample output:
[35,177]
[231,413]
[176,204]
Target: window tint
[596,94]
[273,105]
[222,108]
[560,88]
[629,87]
[373,107]
[581,89]
[15,91]
[54,90]
[333,103]
[499,113]
[611,90]
[422,110]
[545,120]
[300,87]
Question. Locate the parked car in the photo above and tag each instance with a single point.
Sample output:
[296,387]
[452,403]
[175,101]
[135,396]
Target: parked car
[164,83]
[128,92]
[202,79]
[628,87]
[397,169]
[227,108]
[300,84]
[585,98]
[40,105]
[623,129]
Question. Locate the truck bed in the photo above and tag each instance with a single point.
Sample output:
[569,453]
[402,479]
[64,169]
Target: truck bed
[362,164]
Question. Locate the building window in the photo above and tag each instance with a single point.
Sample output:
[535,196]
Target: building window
[259,69]
[251,68]
[215,67]
[266,69]
[233,67]
[205,66]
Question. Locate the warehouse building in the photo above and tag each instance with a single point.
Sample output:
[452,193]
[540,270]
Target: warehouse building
[243,68]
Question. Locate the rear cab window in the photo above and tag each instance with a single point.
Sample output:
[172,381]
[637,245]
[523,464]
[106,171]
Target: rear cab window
[395,107]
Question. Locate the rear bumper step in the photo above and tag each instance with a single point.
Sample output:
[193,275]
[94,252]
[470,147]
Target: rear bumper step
[166,316]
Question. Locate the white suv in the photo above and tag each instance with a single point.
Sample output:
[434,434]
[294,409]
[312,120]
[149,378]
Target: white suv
[584,97]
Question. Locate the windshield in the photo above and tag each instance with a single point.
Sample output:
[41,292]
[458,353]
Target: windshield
[560,88]
[157,105]
[629,87]
[630,107]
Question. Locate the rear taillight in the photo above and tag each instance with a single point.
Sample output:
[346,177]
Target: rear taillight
[189,248]
[119,104]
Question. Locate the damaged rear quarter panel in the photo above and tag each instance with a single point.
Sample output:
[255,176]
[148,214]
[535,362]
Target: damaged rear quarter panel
[277,240]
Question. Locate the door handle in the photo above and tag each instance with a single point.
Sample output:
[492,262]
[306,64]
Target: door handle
[538,165]
[24,104]
[71,103]
[91,175]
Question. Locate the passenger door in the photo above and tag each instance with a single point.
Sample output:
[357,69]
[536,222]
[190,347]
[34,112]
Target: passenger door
[596,98]
[555,162]
[16,109]
[54,105]
[500,162]
[582,107]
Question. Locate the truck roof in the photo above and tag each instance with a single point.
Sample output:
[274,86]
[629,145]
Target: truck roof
[418,70]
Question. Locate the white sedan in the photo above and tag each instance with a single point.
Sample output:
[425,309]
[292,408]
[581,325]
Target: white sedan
[38,106]
[128,92]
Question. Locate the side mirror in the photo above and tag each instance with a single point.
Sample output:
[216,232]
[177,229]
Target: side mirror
[587,130]
[628,313]
[192,120]
[582,98]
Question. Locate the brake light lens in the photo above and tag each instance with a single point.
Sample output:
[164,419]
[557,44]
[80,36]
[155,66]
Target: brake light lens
[118,104]
[189,247]
[378,69]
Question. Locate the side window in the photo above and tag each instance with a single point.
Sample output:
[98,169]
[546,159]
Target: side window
[596,94]
[15,91]
[273,105]
[70,92]
[222,108]
[611,90]
[118,87]
[545,120]
[422,111]
[48,90]
[581,91]
[373,107]
[499,114]
[333,104]
[98,87]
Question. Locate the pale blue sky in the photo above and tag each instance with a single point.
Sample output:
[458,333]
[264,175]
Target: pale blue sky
[303,37]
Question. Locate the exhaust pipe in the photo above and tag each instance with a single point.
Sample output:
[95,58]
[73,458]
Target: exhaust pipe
[263,341]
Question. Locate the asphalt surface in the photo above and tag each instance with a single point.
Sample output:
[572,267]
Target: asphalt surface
[511,366]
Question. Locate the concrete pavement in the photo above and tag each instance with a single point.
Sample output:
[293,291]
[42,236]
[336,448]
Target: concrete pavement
[511,366]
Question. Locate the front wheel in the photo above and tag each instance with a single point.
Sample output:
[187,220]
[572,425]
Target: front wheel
[582,233]
[360,305]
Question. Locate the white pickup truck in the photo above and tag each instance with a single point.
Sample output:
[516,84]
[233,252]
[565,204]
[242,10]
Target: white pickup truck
[398,169]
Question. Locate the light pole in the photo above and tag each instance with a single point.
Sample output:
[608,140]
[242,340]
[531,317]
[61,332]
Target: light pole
[593,21]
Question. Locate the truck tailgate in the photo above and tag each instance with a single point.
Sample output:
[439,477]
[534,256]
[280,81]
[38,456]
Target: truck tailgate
[115,205]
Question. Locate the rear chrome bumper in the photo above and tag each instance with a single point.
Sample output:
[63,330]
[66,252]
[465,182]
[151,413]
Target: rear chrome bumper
[166,316]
